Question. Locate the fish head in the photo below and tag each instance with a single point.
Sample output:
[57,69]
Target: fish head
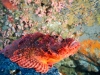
[71,47]
[68,46]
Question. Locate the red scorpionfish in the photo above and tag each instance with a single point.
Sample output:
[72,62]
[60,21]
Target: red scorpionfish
[40,51]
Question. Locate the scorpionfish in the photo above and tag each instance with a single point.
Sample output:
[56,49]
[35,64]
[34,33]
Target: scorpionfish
[40,51]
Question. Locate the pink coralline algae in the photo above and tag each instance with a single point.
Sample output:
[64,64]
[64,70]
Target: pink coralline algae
[58,5]
[70,1]
[40,51]
[40,11]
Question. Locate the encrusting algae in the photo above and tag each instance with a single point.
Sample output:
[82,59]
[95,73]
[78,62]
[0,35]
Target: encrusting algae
[40,51]
[89,46]
[91,49]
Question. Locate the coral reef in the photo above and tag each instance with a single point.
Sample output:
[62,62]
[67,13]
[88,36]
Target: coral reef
[55,17]
[79,10]
[41,15]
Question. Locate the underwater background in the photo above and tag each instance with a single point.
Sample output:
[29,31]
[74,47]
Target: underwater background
[79,19]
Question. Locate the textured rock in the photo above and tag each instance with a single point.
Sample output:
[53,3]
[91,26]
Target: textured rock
[69,63]
[86,66]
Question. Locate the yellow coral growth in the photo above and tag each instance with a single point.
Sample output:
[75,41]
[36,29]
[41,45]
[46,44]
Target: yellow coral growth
[90,47]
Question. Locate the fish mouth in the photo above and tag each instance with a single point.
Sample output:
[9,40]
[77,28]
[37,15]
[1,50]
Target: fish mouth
[74,44]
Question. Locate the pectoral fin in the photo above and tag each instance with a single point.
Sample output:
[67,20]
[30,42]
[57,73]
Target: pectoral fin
[30,63]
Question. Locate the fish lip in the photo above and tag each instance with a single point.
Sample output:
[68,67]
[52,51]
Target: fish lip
[73,43]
